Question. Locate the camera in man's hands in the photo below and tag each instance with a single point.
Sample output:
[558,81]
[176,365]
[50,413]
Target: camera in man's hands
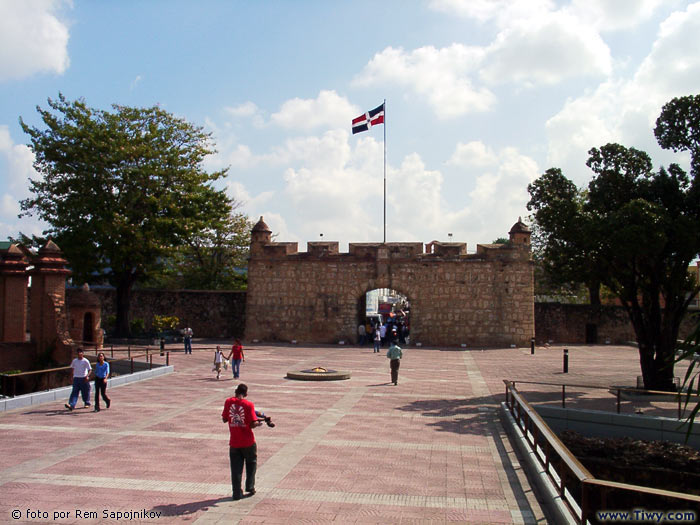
[266,419]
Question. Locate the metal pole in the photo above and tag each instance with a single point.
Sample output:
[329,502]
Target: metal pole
[384,171]
[563,396]
[532,346]
[566,360]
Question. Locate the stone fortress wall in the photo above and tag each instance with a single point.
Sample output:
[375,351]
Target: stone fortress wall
[484,299]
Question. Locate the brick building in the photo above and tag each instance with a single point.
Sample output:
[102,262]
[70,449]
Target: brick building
[40,309]
[480,299]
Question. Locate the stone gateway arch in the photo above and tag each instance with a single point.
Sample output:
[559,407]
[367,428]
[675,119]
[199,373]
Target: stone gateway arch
[480,299]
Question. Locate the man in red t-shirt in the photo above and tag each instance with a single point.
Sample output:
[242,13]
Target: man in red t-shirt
[239,413]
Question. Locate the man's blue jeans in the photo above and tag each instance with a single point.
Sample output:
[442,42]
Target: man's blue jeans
[188,345]
[376,345]
[236,366]
[80,385]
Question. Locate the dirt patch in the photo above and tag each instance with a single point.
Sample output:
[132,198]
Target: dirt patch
[656,464]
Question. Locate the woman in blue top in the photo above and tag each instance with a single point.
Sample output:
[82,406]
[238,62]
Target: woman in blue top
[101,376]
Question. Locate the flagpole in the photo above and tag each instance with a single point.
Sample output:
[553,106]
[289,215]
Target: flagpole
[384,171]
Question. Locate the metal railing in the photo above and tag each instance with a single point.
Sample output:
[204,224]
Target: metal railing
[8,382]
[678,397]
[581,493]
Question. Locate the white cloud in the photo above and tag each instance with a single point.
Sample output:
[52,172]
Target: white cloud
[604,15]
[135,82]
[616,15]
[442,76]
[330,150]
[500,11]
[238,191]
[546,50]
[625,110]
[473,154]
[328,109]
[535,43]
[19,159]
[32,38]
[247,110]
[16,163]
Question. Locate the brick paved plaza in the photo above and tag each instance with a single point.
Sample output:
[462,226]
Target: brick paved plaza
[355,451]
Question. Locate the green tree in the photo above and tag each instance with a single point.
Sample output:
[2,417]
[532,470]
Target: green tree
[678,128]
[636,231]
[559,233]
[215,259]
[120,190]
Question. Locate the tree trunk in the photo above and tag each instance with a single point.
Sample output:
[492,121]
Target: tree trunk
[656,361]
[123,328]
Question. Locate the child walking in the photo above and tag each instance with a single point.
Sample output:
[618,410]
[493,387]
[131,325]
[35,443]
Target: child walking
[218,360]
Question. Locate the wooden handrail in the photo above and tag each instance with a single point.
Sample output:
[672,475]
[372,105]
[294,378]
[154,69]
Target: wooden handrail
[644,490]
[552,446]
[564,453]
[31,372]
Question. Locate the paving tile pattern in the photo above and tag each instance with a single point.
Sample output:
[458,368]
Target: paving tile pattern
[431,449]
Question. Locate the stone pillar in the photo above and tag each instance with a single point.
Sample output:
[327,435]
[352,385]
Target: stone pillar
[13,296]
[48,296]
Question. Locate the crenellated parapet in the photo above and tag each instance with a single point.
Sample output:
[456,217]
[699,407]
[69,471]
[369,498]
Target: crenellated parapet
[518,247]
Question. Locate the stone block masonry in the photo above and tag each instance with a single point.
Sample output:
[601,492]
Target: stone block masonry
[482,299]
[209,313]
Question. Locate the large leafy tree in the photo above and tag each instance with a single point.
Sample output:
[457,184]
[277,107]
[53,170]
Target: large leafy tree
[636,231]
[561,224]
[215,259]
[121,190]
[678,128]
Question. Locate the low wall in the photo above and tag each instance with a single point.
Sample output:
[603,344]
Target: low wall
[588,324]
[216,314]
[17,356]
[593,423]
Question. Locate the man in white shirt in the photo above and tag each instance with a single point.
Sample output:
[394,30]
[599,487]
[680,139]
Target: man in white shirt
[188,333]
[81,380]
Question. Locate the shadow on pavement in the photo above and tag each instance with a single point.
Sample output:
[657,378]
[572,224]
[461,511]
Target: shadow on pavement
[188,508]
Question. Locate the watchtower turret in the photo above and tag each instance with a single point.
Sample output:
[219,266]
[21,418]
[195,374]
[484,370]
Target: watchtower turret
[520,234]
[260,235]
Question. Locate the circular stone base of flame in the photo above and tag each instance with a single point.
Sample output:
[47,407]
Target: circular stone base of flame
[310,375]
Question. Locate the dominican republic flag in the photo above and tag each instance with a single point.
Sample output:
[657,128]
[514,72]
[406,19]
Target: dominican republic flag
[369,119]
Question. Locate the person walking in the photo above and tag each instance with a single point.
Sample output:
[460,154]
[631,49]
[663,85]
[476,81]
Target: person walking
[187,337]
[218,360]
[239,413]
[236,356]
[81,382]
[377,339]
[101,376]
[394,354]
[361,333]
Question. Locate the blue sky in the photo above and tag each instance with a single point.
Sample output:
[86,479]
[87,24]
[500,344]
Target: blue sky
[482,97]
